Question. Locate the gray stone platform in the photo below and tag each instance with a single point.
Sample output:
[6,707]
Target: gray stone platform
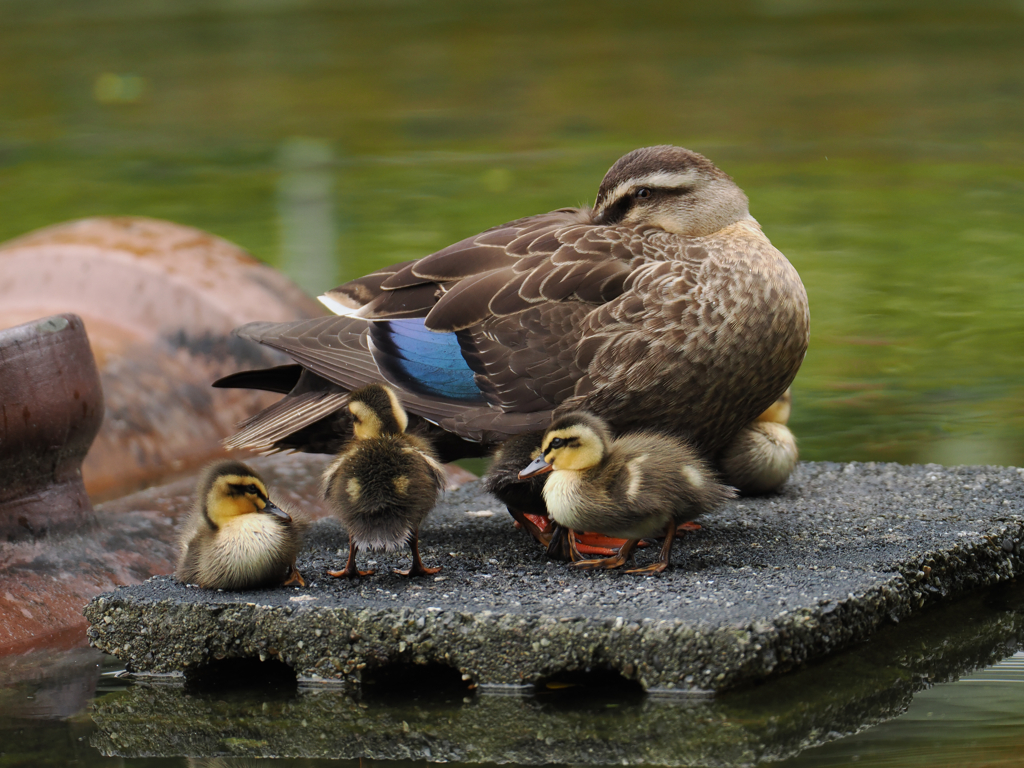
[766,585]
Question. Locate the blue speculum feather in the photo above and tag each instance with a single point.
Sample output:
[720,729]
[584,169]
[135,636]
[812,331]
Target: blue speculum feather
[424,361]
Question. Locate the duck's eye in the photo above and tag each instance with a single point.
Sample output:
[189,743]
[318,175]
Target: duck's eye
[558,442]
[642,193]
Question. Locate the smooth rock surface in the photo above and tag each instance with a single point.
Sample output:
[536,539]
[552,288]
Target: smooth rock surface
[766,585]
[159,301]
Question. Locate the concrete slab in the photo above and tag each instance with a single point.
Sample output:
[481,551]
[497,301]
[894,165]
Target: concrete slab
[584,725]
[766,585]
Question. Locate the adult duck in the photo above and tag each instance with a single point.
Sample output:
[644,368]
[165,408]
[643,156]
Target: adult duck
[664,306]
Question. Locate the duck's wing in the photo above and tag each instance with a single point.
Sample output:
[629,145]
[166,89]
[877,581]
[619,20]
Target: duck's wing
[553,257]
[479,337]
[339,355]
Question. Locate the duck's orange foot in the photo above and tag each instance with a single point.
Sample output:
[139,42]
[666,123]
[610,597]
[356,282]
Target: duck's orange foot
[540,527]
[353,573]
[590,543]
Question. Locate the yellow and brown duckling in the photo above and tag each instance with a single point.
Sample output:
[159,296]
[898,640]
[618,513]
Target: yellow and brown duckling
[384,483]
[236,537]
[764,454]
[524,500]
[638,485]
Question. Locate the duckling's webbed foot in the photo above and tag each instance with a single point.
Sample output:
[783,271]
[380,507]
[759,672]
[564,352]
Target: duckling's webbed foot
[417,568]
[561,546]
[294,577]
[609,563]
[571,545]
[666,550]
[350,571]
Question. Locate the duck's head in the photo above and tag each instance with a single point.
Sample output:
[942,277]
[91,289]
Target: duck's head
[574,442]
[376,411]
[230,489]
[670,188]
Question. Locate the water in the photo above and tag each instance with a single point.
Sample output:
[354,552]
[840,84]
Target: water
[889,702]
[879,143]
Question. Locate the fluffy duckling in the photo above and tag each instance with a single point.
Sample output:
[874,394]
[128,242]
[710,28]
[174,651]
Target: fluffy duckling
[236,537]
[525,501]
[764,453]
[639,485]
[383,484]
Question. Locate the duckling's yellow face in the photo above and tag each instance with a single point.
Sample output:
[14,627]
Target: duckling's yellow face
[231,496]
[575,447]
[375,411]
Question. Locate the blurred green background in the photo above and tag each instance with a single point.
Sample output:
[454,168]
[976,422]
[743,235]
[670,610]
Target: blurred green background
[879,143]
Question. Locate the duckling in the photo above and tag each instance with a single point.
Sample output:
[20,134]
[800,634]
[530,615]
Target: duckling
[525,501]
[763,455]
[384,483]
[662,307]
[236,537]
[632,487]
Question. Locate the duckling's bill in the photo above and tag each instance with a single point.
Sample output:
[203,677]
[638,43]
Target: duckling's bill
[538,466]
[271,508]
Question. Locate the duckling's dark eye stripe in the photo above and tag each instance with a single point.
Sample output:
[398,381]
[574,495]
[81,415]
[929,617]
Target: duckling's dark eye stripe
[241,489]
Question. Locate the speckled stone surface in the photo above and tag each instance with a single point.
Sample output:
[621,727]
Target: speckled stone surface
[766,585]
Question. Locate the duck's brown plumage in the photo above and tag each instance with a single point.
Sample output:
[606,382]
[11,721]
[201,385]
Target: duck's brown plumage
[664,307]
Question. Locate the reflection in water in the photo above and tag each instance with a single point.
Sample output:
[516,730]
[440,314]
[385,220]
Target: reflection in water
[780,719]
[975,722]
[305,209]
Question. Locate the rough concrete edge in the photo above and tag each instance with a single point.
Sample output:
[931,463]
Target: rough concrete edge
[486,647]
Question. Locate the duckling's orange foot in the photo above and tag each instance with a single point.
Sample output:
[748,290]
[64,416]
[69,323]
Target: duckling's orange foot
[418,569]
[657,567]
[688,526]
[295,578]
[603,564]
[351,573]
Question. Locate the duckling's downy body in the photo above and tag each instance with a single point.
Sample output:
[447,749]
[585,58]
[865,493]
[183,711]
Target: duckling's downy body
[236,537]
[639,485]
[383,485]
[764,453]
[664,307]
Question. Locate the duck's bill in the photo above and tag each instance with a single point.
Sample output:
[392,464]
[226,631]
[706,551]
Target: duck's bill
[536,467]
[272,509]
